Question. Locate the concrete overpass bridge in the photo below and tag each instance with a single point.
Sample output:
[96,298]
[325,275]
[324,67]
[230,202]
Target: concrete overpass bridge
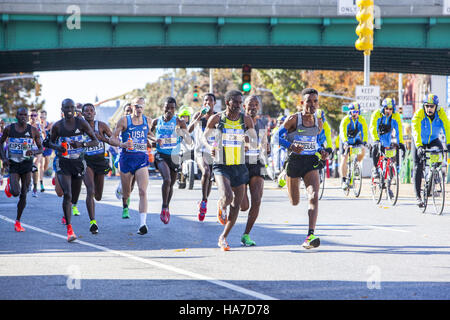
[40,35]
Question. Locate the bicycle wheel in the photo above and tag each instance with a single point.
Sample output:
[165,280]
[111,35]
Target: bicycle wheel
[424,192]
[392,185]
[438,191]
[322,182]
[377,190]
[357,179]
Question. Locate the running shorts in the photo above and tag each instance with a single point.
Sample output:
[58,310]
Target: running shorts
[299,165]
[21,167]
[99,165]
[132,162]
[256,170]
[237,174]
[167,159]
[70,167]
[47,152]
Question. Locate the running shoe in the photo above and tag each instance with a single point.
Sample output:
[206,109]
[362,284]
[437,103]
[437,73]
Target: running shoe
[63,220]
[311,241]
[142,230]
[53,181]
[75,211]
[223,244]
[165,215]
[7,189]
[70,234]
[34,194]
[222,216]
[18,227]
[94,228]
[202,209]
[42,187]
[246,241]
[125,213]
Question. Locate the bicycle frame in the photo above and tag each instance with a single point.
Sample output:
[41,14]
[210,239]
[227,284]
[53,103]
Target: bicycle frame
[385,162]
[351,162]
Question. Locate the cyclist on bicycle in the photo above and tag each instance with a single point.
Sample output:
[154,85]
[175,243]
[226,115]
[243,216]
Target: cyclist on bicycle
[352,132]
[382,122]
[427,124]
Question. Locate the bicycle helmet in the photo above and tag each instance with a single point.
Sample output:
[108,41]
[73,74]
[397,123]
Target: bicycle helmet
[354,107]
[431,99]
[184,111]
[388,102]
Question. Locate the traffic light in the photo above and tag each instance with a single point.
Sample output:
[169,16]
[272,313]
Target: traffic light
[37,89]
[195,94]
[365,27]
[246,78]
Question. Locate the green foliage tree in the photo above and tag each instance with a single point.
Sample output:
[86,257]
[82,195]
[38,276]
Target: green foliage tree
[18,93]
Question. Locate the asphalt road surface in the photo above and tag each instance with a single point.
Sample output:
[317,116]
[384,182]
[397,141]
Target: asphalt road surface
[367,252]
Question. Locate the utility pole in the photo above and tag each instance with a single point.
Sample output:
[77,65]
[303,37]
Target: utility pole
[172,87]
[211,89]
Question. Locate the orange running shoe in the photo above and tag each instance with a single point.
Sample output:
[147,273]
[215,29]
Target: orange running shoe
[222,215]
[18,227]
[223,244]
[70,234]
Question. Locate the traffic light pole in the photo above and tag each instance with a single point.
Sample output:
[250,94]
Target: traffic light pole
[367,68]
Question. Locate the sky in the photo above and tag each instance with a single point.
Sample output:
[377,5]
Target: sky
[84,85]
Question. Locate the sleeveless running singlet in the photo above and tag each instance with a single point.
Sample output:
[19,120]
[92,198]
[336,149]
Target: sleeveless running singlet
[252,154]
[305,136]
[232,136]
[198,132]
[99,149]
[138,134]
[70,136]
[166,132]
[17,141]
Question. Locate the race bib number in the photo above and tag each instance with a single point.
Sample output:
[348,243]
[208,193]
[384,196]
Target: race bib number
[308,143]
[168,142]
[232,137]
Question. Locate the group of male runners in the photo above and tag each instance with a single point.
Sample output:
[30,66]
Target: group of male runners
[229,145]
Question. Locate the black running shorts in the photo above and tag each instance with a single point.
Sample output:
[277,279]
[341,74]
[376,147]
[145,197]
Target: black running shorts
[99,165]
[21,167]
[70,167]
[299,165]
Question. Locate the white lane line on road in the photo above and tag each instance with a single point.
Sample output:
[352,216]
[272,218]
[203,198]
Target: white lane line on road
[377,227]
[190,274]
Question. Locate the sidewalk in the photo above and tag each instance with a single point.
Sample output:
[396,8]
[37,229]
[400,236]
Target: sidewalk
[406,190]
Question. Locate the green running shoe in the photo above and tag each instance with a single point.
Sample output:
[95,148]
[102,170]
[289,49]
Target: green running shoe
[246,241]
[94,228]
[75,211]
[311,241]
[125,214]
